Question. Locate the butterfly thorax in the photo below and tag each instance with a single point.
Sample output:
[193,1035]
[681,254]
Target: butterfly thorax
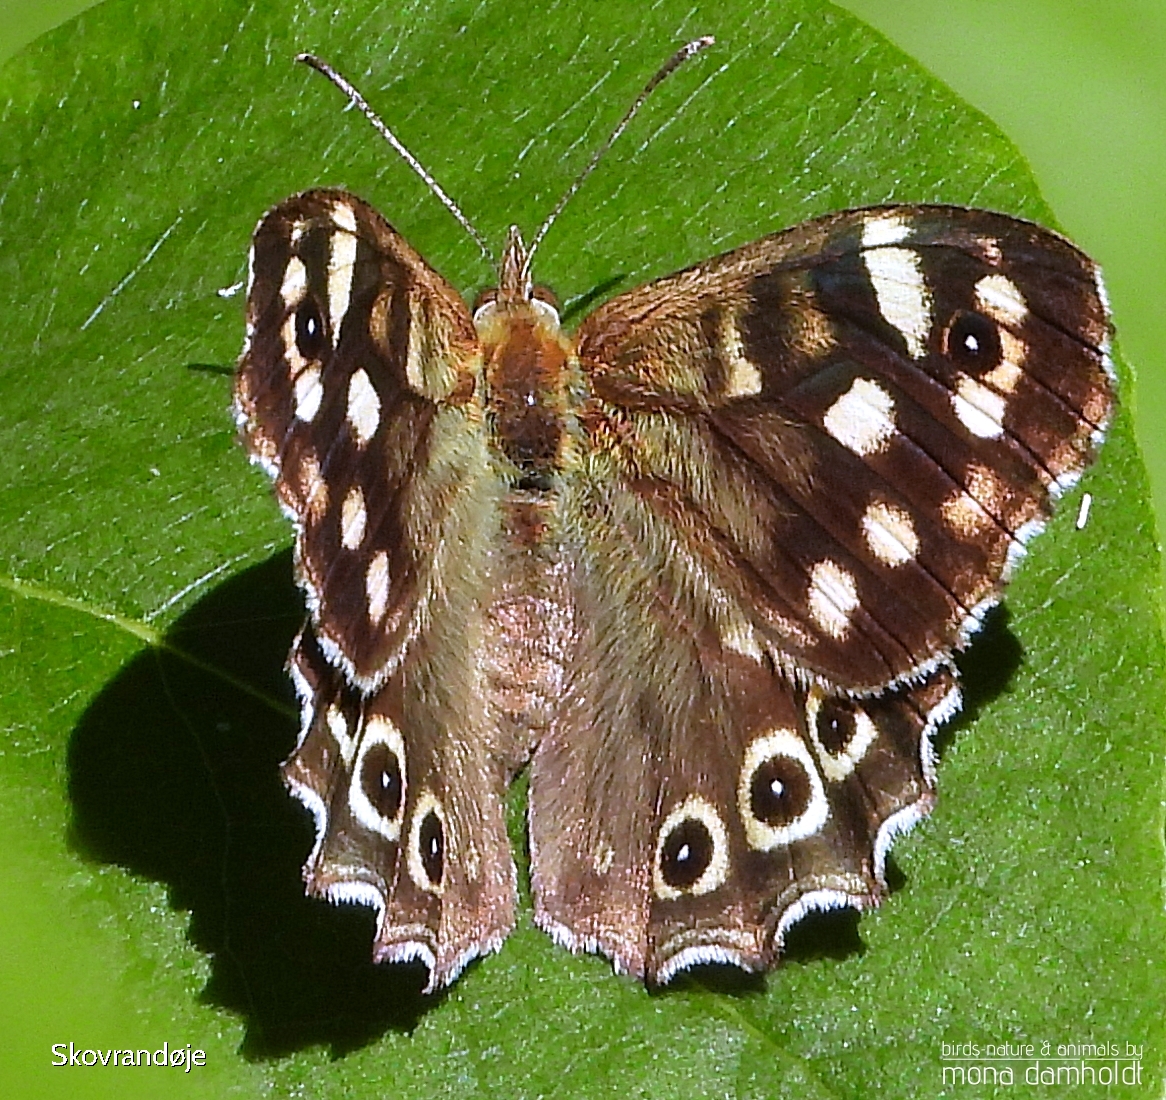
[527,363]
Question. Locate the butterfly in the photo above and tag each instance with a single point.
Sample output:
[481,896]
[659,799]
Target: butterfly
[701,565]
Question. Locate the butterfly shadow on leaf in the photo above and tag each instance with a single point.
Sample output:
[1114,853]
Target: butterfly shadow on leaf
[821,934]
[174,776]
[986,669]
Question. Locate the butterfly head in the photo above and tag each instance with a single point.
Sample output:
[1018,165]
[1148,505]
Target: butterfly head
[515,295]
[514,271]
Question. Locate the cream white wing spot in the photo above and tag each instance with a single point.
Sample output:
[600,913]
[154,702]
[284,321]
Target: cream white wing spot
[965,515]
[980,409]
[842,733]
[832,597]
[692,851]
[1006,375]
[311,487]
[884,228]
[780,795]
[903,297]
[343,216]
[742,376]
[338,726]
[989,250]
[985,485]
[1000,298]
[296,363]
[862,419]
[309,392]
[376,790]
[295,283]
[376,586]
[341,264]
[426,851]
[602,857]
[738,636]
[889,533]
[364,407]
[353,519]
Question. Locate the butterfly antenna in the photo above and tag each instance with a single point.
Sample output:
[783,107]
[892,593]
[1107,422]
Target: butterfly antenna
[665,71]
[391,138]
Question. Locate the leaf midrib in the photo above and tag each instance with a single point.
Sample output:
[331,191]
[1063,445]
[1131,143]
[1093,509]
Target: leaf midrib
[143,631]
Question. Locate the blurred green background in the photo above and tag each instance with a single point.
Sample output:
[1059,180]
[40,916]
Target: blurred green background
[1079,85]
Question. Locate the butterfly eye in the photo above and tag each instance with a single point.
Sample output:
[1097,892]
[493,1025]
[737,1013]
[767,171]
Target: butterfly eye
[973,342]
[484,298]
[311,339]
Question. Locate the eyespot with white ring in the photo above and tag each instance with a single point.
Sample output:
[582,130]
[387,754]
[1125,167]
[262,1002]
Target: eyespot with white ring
[780,794]
[692,851]
[376,791]
[842,733]
[426,852]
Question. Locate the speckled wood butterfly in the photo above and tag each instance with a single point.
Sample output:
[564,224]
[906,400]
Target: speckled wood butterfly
[702,563]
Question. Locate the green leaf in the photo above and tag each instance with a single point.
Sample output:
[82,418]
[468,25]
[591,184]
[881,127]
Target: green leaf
[151,876]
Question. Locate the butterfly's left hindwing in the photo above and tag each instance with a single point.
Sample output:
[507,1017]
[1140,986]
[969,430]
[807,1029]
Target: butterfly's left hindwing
[357,393]
[806,469]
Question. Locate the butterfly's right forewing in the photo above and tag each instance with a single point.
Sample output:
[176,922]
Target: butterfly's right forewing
[358,392]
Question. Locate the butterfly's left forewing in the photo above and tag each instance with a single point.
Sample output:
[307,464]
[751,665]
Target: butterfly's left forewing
[357,391]
[806,469]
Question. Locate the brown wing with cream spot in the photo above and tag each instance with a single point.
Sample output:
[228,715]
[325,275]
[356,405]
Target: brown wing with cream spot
[689,803]
[358,391]
[804,471]
[407,791]
[852,428]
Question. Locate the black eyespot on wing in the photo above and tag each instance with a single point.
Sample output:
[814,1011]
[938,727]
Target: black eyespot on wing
[686,854]
[779,791]
[835,725]
[431,842]
[972,342]
[382,781]
[311,334]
